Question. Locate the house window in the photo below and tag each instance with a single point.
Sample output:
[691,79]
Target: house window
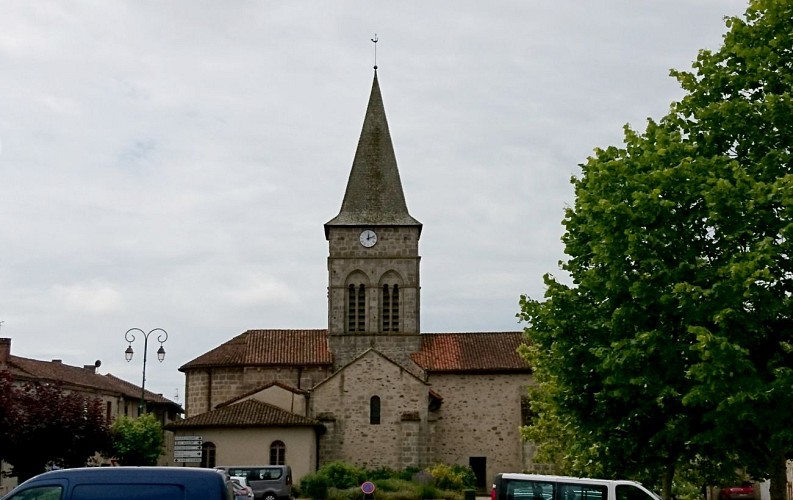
[390,308]
[374,410]
[278,453]
[208,453]
[108,412]
[356,308]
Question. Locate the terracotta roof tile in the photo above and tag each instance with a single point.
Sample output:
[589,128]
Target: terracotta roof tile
[78,378]
[131,390]
[268,348]
[471,352]
[248,413]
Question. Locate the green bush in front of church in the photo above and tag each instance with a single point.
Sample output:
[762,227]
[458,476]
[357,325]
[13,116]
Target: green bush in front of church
[340,481]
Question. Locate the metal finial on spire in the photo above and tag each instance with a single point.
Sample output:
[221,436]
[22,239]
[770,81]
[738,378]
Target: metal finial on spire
[375,40]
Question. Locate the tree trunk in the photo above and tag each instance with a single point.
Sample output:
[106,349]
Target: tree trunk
[666,482]
[778,488]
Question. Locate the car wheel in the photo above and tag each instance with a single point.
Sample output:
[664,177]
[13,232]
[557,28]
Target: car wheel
[269,496]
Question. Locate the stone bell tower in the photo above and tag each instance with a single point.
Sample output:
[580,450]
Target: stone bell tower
[373,262]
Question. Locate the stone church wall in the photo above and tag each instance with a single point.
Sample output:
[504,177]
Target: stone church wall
[342,403]
[207,388]
[480,417]
[397,347]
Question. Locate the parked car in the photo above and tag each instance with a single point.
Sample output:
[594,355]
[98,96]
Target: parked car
[241,490]
[127,483]
[744,491]
[268,482]
[544,487]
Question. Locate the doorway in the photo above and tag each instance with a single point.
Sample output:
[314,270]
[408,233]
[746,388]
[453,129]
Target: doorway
[479,466]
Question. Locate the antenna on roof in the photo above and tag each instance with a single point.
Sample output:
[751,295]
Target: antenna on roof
[375,40]
[1,322]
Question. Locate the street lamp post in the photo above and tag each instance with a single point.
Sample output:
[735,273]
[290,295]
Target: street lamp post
[130,338]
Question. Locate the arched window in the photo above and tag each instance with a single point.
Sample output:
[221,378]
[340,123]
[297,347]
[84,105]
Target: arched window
[374,410]
[390,308]
[277,453]
[208,453]
[356,308]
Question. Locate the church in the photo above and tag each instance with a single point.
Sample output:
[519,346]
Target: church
[371,389]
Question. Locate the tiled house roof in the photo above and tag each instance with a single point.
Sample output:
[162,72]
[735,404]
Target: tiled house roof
[471,352]
[268,348]
[248,413]
[131,390]
[84,379]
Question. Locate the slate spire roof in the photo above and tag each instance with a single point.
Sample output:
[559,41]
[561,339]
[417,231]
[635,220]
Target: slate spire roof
[374,195]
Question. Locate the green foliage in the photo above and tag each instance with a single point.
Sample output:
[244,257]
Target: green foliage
[314,486]
[137,441]
[676,327]
[452,477]
[340,481]
[341,475]
[40,424]
[427,491]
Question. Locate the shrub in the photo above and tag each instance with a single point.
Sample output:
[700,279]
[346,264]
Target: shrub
[426,491]
[314,486]
[452,477]
[341,475]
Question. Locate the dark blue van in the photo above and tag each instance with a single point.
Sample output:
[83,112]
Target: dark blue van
[125,483]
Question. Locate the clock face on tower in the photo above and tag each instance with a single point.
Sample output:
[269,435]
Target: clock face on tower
[368,238]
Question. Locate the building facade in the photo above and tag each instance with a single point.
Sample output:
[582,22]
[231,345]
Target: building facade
[371,389]
[118,396]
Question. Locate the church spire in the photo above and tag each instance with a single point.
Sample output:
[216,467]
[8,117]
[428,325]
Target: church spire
[374,195]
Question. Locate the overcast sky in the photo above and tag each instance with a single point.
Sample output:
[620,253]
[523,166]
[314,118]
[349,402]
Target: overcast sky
[171,164]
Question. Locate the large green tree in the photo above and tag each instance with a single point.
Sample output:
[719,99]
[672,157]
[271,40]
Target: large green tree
[671,346]
[41,424]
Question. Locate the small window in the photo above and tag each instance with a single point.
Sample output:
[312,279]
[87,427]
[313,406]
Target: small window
[109,410]
[356,308]
[374,410]
[390,308]
[208,452]
[278,453]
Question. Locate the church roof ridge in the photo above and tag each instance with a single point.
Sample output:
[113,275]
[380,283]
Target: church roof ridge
[374,195]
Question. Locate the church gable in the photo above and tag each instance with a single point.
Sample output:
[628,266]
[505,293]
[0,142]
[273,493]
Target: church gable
[375,412]
[277,394]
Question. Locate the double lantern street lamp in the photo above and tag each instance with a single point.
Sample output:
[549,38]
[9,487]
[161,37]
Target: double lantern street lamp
[130,338]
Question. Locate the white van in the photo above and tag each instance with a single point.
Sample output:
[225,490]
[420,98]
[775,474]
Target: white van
[541,487]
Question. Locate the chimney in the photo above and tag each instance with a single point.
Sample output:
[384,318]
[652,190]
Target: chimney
[5,350]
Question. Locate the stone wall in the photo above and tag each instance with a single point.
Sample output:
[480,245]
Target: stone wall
[206,388]
[398,347]
[342,403]
[480,417]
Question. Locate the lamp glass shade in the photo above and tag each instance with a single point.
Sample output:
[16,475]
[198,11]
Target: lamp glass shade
[160,353]
[128,353]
